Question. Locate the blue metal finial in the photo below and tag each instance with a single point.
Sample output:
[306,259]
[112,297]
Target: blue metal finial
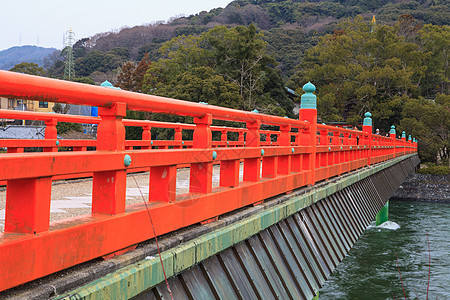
[255,111]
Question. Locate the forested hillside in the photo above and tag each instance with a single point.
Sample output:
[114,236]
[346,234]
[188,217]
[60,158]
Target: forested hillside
[245,55]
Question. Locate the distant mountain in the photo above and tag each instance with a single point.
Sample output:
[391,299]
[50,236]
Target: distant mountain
[15,55]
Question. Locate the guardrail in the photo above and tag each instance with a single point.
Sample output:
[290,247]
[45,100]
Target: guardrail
[302,153]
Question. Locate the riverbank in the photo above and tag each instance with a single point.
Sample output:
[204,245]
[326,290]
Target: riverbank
[424,187]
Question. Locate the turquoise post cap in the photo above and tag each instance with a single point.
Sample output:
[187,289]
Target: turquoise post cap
[368,119]
[403,134]
[206,103]
[255,111]
[409,137]
[214,155]
[308,100]
[262,152]
[108,84]
[392,130]
[127,160]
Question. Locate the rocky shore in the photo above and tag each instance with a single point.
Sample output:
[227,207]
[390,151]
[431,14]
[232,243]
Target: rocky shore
[424,187]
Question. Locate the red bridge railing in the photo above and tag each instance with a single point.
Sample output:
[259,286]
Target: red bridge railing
[294,154]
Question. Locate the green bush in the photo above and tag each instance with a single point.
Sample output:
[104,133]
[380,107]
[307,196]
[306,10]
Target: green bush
[435,170]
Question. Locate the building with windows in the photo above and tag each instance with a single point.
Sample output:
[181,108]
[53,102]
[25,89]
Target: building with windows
[26,105]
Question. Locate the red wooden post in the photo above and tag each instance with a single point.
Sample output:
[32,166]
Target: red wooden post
[393,137]
[284,161]
[147,136]
[201,173]
[367,129]
[51,134]
[404,142]
[224,137]
[178,137]
[252,166]
[241,139]
[308,112]
[28,205]
[296,159]
[109,187]
[163,182]
[335,142]
[322,157]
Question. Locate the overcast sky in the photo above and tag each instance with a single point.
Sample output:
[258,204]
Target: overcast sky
[44,22]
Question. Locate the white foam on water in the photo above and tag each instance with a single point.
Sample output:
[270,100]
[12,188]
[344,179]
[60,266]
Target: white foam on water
[386,225]
[389,225]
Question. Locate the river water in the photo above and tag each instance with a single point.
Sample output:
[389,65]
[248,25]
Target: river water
[370,269]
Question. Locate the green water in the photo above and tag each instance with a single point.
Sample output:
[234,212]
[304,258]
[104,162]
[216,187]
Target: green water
[370,270]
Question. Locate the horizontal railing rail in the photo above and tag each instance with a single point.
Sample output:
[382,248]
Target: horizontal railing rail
[289,155]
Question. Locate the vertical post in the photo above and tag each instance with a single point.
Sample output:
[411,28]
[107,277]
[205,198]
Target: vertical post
[393,136]
[178,137]
[224,137]
[147,136]
[308,112]
[284,161]
[28,205]
[404,142]
[296,159]
[240,139]
[252,166]
[336,153]
[201,173]
[368,140]
[109,187]
[322,162]
[51,134]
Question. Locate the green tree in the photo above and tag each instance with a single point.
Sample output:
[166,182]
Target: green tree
[357,70]
[232,58]
[435,43]
[28,68]
[429,121]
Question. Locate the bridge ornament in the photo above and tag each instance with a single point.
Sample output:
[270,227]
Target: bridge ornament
[127,160]
[304,153]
